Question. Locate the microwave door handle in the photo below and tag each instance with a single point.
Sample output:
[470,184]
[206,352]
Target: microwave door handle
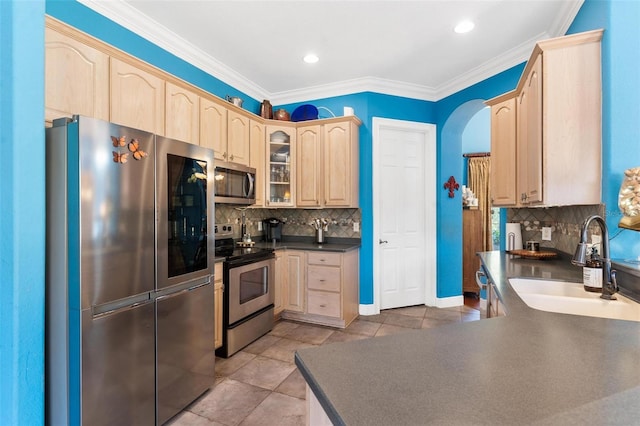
[249,193]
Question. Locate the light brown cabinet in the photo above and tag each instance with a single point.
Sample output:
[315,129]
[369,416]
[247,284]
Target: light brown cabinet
[256,158]
[87,76]
[279,285]
[530,136]
[237,138]
[213,127]
[76,78]
[327,163]
[472,243]
[137,98]
[182,114]
[341,145]
[294,282]
[503,151]
[309,166]
[330,283]
[280,174]
[558,127]
[218,306]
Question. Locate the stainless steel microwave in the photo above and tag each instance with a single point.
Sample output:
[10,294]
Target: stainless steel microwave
[234,184]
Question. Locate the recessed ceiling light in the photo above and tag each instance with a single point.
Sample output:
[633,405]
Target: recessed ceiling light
[311,58]
[464,27]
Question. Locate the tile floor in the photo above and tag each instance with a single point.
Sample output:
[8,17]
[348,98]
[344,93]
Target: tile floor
[261,385]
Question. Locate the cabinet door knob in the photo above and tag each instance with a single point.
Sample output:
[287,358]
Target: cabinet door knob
[224,154]
[382,241]
[231,158]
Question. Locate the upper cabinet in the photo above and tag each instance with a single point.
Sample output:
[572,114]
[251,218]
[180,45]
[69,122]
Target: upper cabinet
[256,158]
[530,136]
[503,151]
[77,78]
[213,127]
[137,98]
[237,138]
[182,114]
[341,171]
[555,128]
[309,166]
[327,163]
[281,152]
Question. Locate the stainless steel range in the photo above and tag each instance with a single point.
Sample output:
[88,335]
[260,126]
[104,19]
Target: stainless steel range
[249,291]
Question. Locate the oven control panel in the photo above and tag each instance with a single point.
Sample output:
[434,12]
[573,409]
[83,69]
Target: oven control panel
[223,230]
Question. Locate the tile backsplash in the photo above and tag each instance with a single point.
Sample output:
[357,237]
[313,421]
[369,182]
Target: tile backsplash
[297,221]
[565,223]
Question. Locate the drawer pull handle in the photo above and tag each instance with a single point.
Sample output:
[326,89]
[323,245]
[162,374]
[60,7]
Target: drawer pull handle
[323,306]
[321,281]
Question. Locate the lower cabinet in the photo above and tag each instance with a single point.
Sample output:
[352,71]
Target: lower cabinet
[320,287]
[218,306]
[294,281]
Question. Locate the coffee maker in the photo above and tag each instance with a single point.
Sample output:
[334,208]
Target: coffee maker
[272,229]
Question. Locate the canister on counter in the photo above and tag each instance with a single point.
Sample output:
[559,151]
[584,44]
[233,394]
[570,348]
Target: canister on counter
[533,246]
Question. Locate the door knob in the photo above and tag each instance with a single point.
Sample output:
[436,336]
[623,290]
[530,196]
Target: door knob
[383,241]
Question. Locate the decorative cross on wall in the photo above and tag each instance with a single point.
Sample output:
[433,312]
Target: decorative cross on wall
[451,185]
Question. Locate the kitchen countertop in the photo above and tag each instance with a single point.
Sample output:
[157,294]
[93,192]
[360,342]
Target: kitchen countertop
[308,243]
[528,367]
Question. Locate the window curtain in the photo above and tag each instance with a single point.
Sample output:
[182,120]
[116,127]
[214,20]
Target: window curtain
[479,168]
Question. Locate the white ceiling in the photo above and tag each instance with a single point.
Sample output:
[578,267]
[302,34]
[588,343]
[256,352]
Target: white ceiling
[403,48]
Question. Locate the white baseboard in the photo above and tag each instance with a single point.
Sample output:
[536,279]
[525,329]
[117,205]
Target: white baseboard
[449,302]
[444,302]
[368,309]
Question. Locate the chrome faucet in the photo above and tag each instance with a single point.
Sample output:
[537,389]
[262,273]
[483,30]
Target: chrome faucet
[609,284]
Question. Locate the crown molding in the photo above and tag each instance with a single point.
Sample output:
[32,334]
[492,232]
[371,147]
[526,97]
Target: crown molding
[358,85]
[496,65]
[130,18]
[565,18]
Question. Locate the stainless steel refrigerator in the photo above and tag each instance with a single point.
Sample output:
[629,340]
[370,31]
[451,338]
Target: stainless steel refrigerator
[130,323]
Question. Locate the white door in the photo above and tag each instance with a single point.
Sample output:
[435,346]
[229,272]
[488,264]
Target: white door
[404,173]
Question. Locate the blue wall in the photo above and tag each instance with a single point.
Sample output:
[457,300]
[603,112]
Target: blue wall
[621,108]
[476,137]
[22,203]
[366,106]
[22,162]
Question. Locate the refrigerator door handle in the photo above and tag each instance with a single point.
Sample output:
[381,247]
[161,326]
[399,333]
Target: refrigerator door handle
[181,291]
[105,310]
[170,295]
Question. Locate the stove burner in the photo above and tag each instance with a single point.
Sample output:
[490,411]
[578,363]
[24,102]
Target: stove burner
[227,248]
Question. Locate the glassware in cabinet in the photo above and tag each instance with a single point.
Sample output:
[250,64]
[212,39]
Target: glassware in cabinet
[280,174]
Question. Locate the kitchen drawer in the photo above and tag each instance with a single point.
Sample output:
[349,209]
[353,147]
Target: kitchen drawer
[322,258]
[325,278]
[323,303]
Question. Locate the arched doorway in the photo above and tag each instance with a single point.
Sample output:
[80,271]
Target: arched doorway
[453,137]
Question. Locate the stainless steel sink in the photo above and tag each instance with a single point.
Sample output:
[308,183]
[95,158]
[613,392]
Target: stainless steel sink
[571,298]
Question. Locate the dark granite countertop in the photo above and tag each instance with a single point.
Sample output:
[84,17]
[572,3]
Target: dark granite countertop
[529,367]
[308,243]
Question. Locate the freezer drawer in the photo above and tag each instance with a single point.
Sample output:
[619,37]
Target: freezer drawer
[118,367]
[185,345]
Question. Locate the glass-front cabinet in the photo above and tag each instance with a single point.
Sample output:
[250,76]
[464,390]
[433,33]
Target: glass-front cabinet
[280,174]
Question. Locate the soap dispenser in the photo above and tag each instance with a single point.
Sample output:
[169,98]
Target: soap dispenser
[592,273]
